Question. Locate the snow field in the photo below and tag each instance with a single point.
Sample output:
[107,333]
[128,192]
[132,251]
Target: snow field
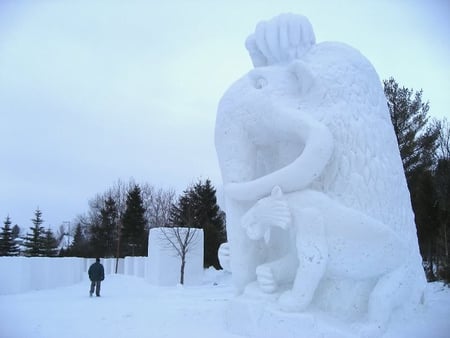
[131,307]
[128,307]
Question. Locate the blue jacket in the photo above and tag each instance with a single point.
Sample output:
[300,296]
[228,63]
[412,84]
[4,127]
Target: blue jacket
[96,272]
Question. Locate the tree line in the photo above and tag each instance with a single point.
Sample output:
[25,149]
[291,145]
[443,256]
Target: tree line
[118,222]
[38,242]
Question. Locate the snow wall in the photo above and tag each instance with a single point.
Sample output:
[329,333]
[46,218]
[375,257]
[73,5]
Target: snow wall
[163,265]
[23,274]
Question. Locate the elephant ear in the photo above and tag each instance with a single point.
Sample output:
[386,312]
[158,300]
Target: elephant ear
[304,76]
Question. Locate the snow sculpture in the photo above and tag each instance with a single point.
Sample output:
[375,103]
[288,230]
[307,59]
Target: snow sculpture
[318,210]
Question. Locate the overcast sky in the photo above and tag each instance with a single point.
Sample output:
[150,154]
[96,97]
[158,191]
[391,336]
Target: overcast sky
[94,91]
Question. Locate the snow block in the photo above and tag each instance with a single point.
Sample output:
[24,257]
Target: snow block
[109,266]
[39,272]
[164,264]
[129,266]
[134,266]
[22,274]
[139,266]
[15,275]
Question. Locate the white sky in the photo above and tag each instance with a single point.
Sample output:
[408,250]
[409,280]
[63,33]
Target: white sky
[94,91]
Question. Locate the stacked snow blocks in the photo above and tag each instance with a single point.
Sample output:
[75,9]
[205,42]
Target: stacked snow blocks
[135,266]
[22,274]
[163,263]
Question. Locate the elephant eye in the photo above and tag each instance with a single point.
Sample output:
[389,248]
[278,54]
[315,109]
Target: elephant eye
[260,83]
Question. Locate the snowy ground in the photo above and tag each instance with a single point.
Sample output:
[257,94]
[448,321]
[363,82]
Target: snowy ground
[130,307]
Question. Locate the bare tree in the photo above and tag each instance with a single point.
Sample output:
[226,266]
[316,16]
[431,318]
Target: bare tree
[118,192]
[181,240]
[158,204]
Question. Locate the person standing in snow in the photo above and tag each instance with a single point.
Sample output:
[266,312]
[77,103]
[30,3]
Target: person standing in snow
[96,275]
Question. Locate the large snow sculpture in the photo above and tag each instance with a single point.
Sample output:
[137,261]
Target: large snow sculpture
[318,210]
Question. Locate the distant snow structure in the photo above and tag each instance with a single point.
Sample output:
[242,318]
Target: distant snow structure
[65,242]
[319,218]
[164,256]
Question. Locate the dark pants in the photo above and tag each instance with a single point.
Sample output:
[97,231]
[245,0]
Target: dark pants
[95,285]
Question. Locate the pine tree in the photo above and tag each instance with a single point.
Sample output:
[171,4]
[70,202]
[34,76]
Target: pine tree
[34,242]
[17,239]
[199,204]
[442,187]
[103,232]
[134,235]
[182,213]
[78,247]
[15,231]
[50,244]
[416,138]
[8,246]
[212,220]
[423,197]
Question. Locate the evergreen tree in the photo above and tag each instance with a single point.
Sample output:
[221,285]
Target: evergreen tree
[212,220]
[15,231]
[442,187]
[50,244]
[423,197]
[78,247]
[34,242]
[182,213]
[17,239]
[134,224]
[103,232]
[8,246]
[101,225]
[199,204]
[416,138]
